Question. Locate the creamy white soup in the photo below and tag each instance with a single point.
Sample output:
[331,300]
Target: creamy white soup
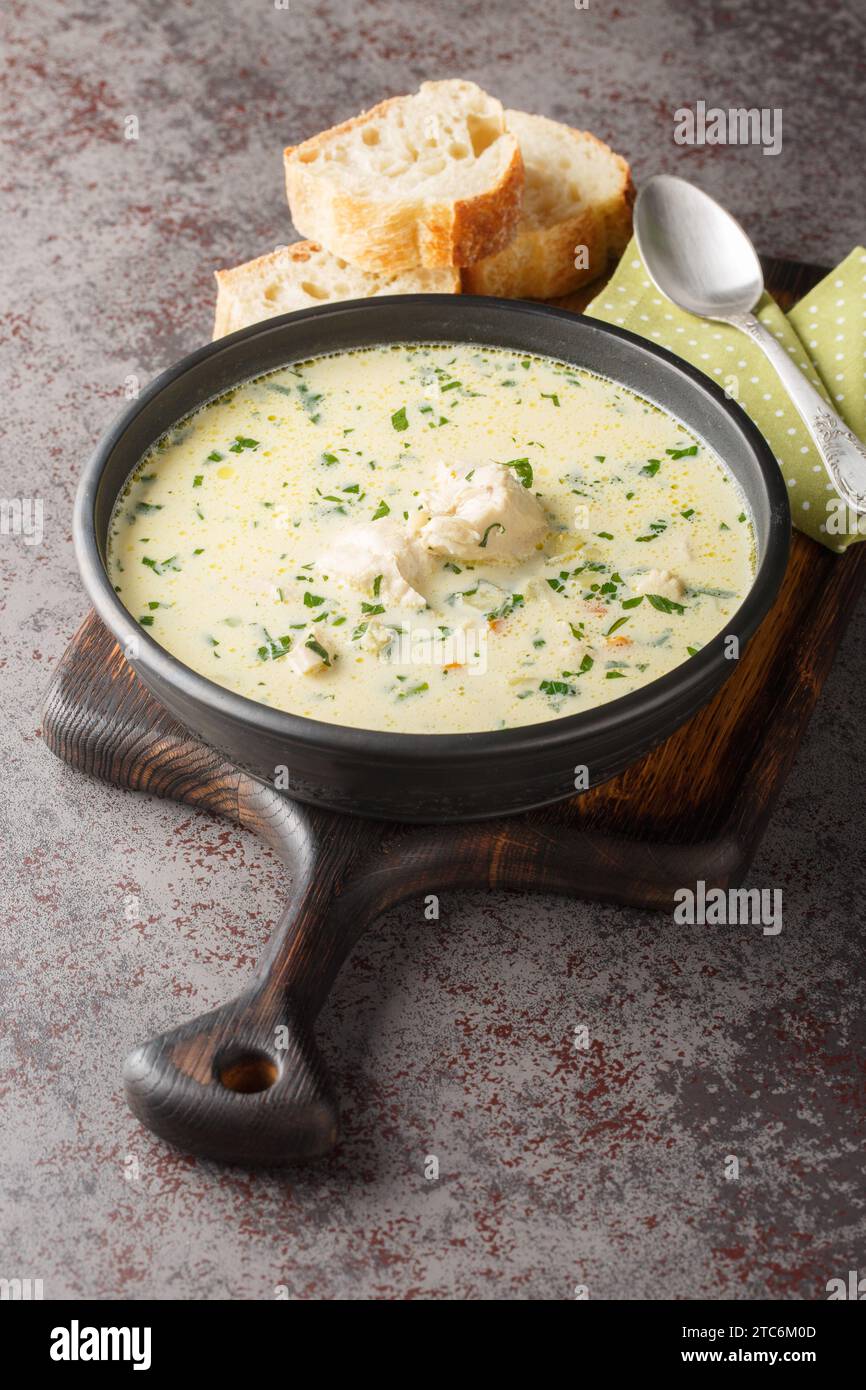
[431,539]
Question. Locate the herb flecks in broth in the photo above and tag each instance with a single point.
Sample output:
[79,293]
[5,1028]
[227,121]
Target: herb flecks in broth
[431,539]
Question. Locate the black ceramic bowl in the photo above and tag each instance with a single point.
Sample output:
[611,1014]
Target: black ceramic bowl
[436,777]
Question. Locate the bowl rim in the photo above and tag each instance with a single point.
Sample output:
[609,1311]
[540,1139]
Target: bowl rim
[687,680]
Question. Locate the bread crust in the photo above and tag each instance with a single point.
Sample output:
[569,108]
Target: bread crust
[402,234]
[538,263]
[233,284]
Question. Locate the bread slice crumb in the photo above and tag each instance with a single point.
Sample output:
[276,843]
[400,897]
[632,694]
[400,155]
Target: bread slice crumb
[431,180]
[303,275]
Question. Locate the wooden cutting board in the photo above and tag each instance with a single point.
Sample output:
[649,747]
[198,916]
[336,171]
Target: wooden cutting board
[694,808]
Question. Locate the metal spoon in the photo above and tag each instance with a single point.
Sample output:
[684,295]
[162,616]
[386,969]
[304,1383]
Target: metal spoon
[701,258]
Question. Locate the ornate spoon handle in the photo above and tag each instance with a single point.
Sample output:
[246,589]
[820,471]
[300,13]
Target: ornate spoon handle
[842,454]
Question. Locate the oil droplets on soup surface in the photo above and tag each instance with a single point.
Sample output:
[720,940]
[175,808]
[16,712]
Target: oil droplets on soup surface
[432,539]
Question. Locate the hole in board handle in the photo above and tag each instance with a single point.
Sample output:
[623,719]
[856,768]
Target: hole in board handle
[247,1073]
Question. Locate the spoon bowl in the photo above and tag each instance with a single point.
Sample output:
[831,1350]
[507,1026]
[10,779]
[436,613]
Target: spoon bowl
[696,252]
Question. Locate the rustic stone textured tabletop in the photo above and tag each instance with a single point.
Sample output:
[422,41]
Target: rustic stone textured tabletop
[557,1168]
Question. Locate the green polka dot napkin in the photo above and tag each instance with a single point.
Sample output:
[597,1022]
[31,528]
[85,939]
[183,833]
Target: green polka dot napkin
[826,336]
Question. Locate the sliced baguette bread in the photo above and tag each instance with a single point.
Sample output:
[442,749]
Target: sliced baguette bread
[577,193]
[303,275]
[430,180]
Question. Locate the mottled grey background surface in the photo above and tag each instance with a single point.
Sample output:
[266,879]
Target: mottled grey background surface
[558,1168]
